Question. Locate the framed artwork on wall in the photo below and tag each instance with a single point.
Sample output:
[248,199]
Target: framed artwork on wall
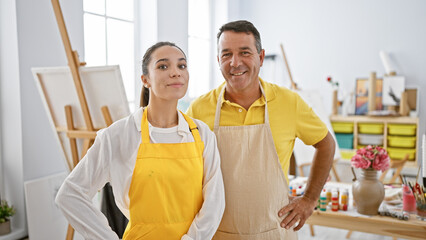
[361,95]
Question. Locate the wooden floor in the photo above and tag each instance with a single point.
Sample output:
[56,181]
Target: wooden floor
[326,233]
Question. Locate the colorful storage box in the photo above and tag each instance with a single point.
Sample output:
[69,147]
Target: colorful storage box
[347,154]
[345,140]
[402,129]
[370,139]
[343,127]
[399,153]
[370,128]
[363,146]
[398,141]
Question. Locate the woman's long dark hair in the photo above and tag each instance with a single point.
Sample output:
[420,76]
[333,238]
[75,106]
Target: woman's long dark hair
[145,62]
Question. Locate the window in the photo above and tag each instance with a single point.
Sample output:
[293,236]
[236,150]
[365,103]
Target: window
[199,46]
[109,38]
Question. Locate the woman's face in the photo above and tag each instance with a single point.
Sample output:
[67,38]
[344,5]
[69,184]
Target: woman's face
[167,74]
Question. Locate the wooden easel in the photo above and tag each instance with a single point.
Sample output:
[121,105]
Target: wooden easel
[293,84]
[88,135]
[293,160]
[294,87]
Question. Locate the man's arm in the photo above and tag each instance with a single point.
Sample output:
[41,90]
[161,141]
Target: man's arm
[301,208]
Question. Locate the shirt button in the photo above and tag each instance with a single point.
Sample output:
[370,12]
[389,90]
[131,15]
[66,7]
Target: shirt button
[240,110]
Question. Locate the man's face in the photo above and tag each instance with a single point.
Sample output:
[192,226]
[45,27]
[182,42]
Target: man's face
[239,60]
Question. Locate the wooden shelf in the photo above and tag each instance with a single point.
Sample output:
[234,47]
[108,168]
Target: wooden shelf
[385,121]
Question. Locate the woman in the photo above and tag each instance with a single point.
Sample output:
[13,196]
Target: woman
[163,166]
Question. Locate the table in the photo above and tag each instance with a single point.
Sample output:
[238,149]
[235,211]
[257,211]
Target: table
[411,229]
[351,220]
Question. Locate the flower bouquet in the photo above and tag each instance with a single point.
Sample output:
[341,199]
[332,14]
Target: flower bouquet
[374,157]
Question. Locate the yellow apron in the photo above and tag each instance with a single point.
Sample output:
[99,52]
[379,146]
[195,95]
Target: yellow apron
[166,189]
[255,185]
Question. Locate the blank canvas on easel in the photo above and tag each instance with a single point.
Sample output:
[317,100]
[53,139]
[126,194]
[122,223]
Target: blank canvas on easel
[103,86]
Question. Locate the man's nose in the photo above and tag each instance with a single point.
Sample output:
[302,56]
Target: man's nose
[235,61]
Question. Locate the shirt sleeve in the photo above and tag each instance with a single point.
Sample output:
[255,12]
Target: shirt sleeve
[309,127]
[207,220]
[76,193]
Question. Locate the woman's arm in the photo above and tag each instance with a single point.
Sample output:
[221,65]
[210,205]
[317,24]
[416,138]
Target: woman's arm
[76,193]
[208,218]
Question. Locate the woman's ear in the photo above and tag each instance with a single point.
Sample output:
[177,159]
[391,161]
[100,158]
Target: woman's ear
[145,81]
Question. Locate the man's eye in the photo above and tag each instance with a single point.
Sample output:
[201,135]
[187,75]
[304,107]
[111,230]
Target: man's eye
[245,53]
[226,55]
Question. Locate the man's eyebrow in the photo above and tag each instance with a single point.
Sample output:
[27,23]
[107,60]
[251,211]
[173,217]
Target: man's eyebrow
[241,48]
[225,50]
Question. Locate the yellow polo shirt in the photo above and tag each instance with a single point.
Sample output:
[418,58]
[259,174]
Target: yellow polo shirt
[289,117]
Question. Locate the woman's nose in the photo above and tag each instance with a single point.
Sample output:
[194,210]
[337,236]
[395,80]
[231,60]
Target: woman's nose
[175,72]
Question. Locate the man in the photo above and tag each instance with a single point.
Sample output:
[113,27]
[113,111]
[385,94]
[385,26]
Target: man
[256,124]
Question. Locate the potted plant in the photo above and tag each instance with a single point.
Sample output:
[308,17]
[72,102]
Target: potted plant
[6,212]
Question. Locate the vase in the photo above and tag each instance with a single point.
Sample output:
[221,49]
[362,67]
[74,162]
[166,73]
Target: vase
[368,192]
[4,228]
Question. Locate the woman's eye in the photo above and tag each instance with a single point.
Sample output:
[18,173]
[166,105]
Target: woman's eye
[162,67]
[182,66]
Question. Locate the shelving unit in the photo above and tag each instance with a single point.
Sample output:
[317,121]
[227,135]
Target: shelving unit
[386,121]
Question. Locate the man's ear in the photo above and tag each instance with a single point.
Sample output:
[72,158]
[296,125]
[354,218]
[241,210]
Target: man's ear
[262,56]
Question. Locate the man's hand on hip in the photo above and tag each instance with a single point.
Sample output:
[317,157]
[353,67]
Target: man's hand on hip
[298,210]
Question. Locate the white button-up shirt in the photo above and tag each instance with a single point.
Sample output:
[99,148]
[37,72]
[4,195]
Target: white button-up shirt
[112,159]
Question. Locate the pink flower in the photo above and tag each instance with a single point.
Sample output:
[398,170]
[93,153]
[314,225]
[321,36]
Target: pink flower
[361,151]
[381,162]
[371,157]
[360,162]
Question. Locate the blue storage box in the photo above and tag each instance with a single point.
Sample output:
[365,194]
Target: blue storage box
[345,140]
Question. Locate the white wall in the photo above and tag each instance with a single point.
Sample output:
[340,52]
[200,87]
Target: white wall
[11,161]
[172,18]
[343,39]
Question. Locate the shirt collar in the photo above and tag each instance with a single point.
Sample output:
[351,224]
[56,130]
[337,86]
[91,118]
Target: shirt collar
[269,93]
[183,126]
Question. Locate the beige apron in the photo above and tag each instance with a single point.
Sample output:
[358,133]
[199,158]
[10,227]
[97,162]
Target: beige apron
[255,185]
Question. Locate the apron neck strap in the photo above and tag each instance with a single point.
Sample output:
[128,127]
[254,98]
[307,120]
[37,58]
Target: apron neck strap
[192,127]
[145,128]
[219,106]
